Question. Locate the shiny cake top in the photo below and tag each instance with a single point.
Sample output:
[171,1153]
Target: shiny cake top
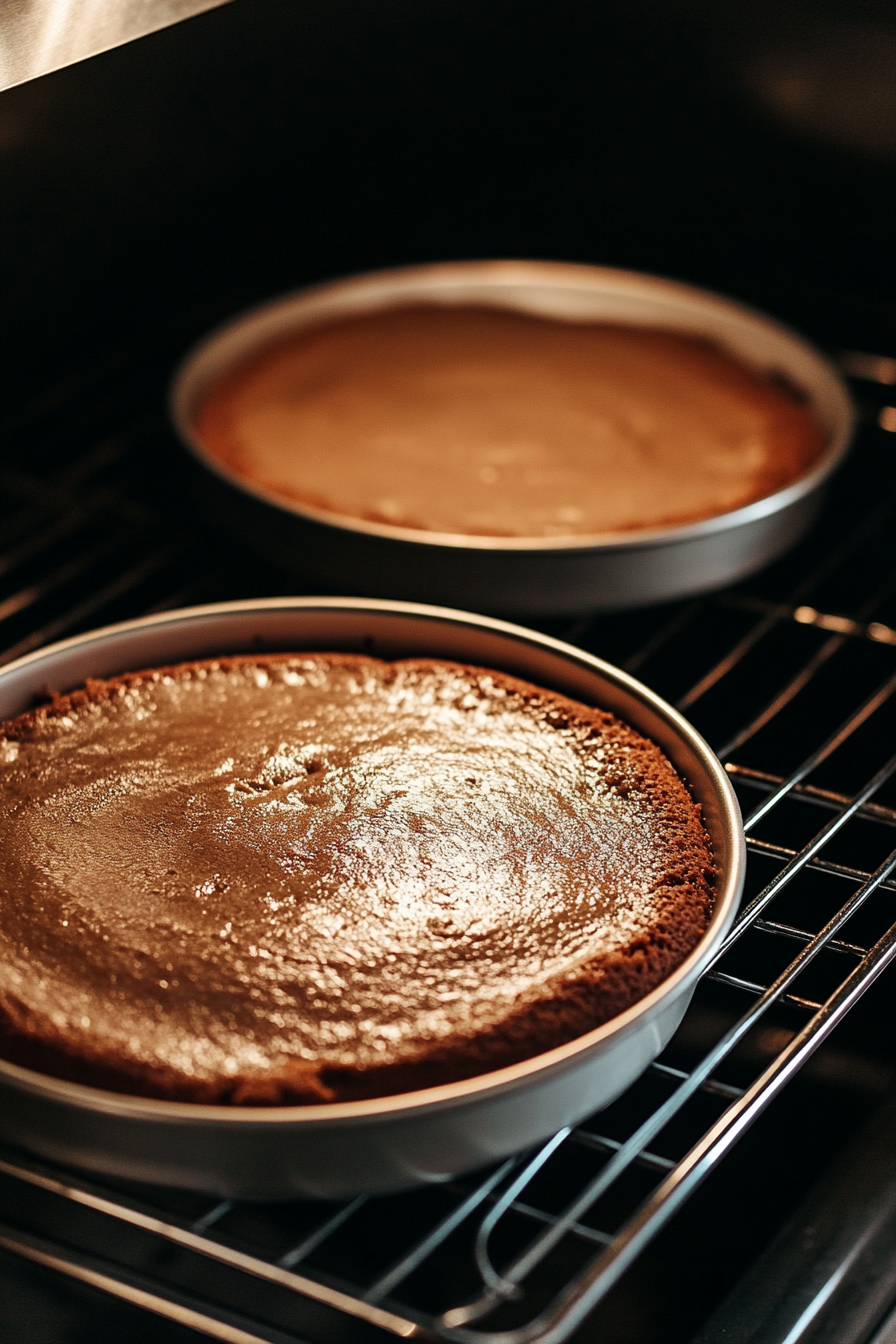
[241,879]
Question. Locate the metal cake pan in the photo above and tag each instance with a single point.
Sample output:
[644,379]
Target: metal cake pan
[534,576]
[389,1143]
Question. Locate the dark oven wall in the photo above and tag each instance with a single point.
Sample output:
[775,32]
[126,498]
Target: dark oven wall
[268,144]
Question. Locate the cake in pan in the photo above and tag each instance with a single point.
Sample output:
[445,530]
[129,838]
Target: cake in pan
[297,879]
[471,420]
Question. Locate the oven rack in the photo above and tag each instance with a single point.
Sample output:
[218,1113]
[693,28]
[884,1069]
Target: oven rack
[791,676]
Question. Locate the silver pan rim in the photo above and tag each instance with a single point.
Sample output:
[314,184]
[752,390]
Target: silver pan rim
[451,1095]
[234,341]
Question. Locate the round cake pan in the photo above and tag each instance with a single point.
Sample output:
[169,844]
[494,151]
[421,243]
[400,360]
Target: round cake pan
[542,576]
[389,1143]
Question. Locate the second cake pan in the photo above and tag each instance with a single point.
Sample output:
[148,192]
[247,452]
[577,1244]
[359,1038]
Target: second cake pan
[388,1143]
[533,576]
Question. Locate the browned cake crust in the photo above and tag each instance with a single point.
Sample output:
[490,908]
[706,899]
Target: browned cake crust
[484,421]
[303,878]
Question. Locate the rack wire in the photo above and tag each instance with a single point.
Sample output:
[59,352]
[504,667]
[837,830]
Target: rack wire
[791,676]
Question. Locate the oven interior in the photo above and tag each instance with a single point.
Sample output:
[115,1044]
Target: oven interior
[745,1187]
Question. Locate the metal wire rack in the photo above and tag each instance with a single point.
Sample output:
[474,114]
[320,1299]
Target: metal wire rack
[791,676]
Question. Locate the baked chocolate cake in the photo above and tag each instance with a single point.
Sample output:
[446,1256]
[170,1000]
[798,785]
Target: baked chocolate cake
[316,877]
[484,421]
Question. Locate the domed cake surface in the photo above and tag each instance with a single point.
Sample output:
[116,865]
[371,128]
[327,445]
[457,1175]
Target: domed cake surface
[303,878]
